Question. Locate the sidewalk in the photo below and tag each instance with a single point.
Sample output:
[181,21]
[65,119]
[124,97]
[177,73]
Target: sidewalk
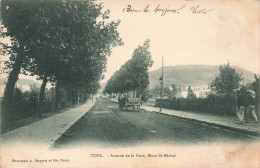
[226,122]
[48,130]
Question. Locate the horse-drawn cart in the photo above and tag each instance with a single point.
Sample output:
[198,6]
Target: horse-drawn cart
[124,103]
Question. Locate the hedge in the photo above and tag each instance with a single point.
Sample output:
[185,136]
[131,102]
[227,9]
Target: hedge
[219,105]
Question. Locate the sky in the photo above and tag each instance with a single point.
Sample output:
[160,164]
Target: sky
[194,32]
[228,32]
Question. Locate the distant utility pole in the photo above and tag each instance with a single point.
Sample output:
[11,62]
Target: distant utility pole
[161,81]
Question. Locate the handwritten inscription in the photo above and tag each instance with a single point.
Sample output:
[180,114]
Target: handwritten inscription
[197,9]
[167,10]
[131,9]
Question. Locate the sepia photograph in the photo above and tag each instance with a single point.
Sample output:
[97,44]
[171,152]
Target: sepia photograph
[149,84]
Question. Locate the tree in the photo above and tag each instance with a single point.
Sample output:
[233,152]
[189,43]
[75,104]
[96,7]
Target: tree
[140,63]
[16,19]
[156,91]
[226,82]
[175,90]
[59,41]
[167,93]
[133,75]
[191,94]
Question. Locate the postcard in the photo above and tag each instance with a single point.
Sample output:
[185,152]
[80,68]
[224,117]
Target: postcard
[153,83]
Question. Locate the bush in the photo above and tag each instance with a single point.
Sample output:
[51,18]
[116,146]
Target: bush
[25,104]
[212,104]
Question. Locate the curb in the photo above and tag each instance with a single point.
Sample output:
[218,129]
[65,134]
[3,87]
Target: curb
[237,130]
[58,137]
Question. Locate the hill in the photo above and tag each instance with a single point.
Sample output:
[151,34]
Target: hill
[194,75]
[27,82]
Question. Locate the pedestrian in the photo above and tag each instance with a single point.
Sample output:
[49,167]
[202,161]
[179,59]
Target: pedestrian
[119,101]
[250,104]
[240,109]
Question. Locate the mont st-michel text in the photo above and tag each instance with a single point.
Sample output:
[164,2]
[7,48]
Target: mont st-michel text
[139,155]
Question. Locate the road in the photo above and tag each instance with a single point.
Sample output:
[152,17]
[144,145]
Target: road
[106,125]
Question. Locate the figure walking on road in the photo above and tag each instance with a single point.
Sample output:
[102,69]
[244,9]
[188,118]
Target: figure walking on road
[250,104]
[246,105]
[240,110]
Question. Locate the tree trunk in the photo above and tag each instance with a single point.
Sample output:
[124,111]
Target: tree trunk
[57,95]
[69,98]
[41,96]
[82,97]
[10,86]
[78,98]
[75,98]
